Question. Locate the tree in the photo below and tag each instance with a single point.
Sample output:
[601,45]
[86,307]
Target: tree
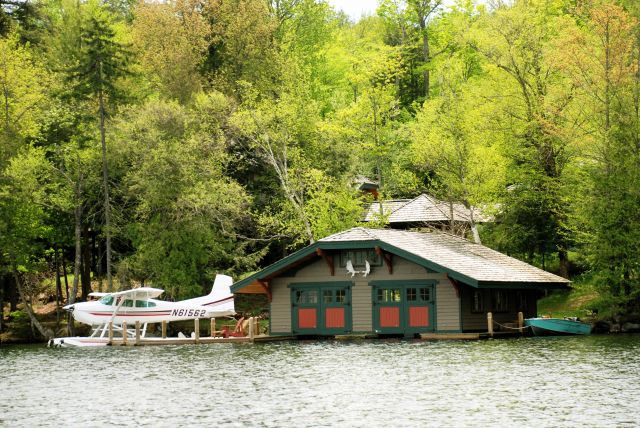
[24,87]
[27,198]
[602,60]
[451,141]
[243,45]
[532,96]
[277,130]
[182,214]
[103,62]
[172,39]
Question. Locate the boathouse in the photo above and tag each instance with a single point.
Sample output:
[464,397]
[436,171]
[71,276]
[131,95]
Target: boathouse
[396,282]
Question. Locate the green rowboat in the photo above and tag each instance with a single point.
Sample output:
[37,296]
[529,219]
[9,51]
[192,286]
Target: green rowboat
[556,326]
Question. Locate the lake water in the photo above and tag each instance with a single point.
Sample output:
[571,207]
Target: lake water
[589,381]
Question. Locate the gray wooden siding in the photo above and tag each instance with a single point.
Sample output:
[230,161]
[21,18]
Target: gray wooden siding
[447,307]
[447,303]
[280,306]
[361,314]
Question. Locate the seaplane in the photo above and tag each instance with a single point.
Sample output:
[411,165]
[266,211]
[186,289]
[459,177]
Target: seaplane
[141,305]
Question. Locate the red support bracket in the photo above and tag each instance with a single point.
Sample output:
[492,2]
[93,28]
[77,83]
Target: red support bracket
[267,289]
[327,258]
[387,257]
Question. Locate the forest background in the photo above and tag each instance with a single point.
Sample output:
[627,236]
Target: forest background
[158,143]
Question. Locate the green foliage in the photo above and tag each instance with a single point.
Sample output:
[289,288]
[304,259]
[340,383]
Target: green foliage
[103,60]
[236,129]
[184,211]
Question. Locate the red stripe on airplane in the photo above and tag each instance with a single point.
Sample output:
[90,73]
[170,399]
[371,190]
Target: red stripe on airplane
[137,314]
[218,301]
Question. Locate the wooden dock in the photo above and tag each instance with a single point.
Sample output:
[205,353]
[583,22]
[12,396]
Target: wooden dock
[158,341]
[453,336]
[223,336]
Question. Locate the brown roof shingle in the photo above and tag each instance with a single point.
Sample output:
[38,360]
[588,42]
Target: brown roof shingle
[453,254]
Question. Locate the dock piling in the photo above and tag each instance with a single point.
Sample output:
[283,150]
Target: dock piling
[213,327]
[124,332]
[520,322]
[137,333]
[110,332]
[196,329]
[490,324]
[251,329]
[164,329]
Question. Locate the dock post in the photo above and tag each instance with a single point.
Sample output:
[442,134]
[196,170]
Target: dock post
[110,332]
[196,328]
[490,323]
[520,322]
[137,332]
[124,333]
[251,329]
[164,329]
[213,327]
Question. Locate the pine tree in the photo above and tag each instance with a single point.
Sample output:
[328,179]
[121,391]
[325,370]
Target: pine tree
[103,63]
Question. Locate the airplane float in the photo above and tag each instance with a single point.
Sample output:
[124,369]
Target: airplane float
[139,304]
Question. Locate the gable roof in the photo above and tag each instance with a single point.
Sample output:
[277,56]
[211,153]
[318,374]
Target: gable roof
[465,261]
[423,208]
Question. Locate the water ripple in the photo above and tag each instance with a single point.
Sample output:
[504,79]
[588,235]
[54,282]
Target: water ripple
[537,382]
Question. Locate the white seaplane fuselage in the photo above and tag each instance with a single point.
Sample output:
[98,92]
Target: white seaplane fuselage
[140,305]
[119,309]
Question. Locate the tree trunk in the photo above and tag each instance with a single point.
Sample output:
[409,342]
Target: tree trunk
[45,332]
[426,57]
[78,256]
[58,286]
[85,277]
[474,227]
[451,222]
[13,294]
[66,280]
[2,283]
[564,263]
[105,183]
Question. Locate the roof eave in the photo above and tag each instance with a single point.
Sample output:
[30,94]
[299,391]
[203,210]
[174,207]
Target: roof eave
[531,285]
[281,266]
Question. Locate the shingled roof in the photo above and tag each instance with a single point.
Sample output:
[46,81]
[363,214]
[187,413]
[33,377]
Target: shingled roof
[422,209]
[452,254]
[465,261]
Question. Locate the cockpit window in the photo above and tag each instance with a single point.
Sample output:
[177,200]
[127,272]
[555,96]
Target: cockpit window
[128,303]
[107,300]
[144,304]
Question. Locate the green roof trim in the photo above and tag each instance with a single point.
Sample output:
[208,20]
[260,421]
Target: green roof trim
[479,262]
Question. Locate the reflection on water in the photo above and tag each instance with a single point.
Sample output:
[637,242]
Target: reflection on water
[563,381]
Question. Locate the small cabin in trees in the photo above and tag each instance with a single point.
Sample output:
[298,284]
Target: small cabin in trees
[424,211]
[396,282]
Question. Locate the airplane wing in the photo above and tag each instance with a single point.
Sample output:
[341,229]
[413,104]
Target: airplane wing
[98,294]
[136,293]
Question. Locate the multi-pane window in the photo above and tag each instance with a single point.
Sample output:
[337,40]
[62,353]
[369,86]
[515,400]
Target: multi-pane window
[500,303]
[521,301]
[307,296]
[477,302]
[389,295]
[421,294]
[360,257]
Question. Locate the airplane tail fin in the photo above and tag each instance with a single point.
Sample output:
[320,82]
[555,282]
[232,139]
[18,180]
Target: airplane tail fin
[219,302]
[221,286]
